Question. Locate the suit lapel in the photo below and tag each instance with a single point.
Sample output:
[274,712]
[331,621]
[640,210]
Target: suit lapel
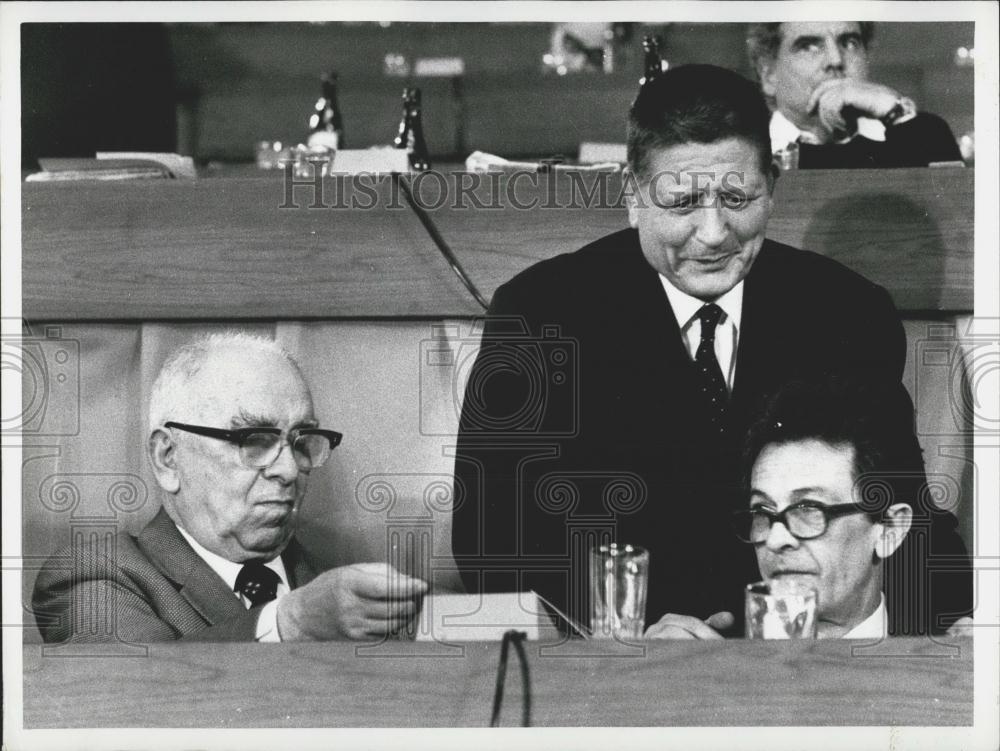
[651,314]
[759,352]
[297,565]
[203,589]
[197,583]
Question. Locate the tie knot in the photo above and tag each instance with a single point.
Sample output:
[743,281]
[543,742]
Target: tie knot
[257,583]
[709,316]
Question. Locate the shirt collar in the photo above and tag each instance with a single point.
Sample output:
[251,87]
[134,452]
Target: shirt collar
[225,568]
[685,306]
[784,131]
[872,627]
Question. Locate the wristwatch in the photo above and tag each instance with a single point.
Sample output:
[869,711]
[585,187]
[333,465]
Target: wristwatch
[903,110]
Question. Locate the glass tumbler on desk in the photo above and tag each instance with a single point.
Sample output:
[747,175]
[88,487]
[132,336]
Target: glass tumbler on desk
[779,609]
[619,579]
[788,157]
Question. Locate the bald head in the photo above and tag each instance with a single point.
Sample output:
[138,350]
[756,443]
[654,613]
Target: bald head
[181,386]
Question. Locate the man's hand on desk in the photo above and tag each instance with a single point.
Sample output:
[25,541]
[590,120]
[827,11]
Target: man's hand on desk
[673,626]
[831,97]
[361,601]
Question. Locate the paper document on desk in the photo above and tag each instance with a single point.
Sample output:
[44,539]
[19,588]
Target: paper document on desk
[593,152]
[450,618]
[379,161]
[482,162]
[63,169]
[181,167]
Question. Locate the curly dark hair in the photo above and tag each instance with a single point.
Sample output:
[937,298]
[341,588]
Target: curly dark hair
[875,419]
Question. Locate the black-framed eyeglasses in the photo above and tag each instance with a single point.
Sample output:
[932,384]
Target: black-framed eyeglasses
[261,446]
[804,520]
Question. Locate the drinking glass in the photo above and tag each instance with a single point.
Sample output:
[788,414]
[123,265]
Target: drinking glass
[779,609]
[619,579]
[788,157]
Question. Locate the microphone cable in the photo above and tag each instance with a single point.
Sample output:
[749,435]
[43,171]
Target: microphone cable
[517,638]
[439,241]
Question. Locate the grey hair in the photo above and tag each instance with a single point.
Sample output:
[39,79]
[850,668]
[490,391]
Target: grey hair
[169,394]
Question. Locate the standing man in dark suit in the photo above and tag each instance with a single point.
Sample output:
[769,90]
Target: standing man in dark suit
[815,77]
[232,440]
[614,385]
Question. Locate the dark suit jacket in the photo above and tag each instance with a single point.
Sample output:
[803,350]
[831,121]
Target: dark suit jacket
[916,143]
[582,421]
[149,588]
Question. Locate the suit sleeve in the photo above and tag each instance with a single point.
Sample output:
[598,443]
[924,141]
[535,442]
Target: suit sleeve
[83,597]
[89,603]
[928,136]
[485,519]
[475,470]
[885,345]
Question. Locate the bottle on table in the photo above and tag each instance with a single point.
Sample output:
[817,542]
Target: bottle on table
[411,131]
[326,123]
[653,63]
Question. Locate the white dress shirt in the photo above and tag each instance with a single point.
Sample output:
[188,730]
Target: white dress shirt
[727,331]
[784,131]
[874,626]
[267,622]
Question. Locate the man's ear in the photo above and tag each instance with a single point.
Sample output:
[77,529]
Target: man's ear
[892,529]
[162,453]
[630,190]
[765,72]
[773,173]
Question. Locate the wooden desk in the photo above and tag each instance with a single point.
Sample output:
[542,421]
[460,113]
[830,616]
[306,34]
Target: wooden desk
[407,684]
[224,248]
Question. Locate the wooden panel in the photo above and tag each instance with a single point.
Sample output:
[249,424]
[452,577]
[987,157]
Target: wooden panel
[909,230]
[431,685]
[224,247]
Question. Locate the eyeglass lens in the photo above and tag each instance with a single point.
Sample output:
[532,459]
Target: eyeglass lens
[309,450]
[803,522]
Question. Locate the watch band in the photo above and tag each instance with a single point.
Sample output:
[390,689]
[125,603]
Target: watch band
[904,109]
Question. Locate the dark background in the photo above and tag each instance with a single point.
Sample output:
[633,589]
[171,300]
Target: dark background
[213,90]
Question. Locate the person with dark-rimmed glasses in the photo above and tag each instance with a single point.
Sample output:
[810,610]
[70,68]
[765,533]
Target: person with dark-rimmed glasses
[835,487]
[614,385]
[232,441]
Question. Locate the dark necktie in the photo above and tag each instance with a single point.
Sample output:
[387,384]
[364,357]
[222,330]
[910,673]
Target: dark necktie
[257,583]
[710,379]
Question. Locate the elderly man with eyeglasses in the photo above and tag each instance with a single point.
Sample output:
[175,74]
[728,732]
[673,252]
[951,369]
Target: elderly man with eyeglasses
[232,440]
[836,495]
